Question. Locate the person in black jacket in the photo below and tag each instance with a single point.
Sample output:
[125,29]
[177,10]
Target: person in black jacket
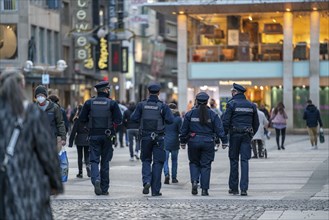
[132,131]
[313,119]
[79,134]
[55,99]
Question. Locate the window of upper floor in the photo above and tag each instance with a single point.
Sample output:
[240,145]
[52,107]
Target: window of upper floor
[8,5]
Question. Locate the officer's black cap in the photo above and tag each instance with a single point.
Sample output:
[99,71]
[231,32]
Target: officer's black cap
[202,97]
[154,88]
[238,88]
[103,84]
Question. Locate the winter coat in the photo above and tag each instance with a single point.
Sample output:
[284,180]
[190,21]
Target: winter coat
[33,170]
[312,116]
[129,124]
[171,140]
[279,120]
[79,134]
[263,122]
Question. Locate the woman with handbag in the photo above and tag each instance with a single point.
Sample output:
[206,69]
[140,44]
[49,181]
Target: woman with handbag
[279,123]
[28,158]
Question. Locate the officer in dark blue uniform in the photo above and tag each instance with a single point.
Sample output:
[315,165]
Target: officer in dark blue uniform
[201,129]
[102,115]
[152,114]
[240,121]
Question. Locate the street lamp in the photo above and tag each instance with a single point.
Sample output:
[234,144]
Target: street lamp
[60,67]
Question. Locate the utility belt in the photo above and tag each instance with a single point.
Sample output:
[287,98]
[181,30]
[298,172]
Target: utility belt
[154,135]
[193,134]
[242,130]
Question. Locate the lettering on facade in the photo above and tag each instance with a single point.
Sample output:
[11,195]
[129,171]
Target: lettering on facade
[82,23]
[104,54]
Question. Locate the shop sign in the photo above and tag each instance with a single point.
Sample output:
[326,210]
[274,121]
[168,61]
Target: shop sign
[115,57]
[124,59]
[104,54]
[139,19]
[230,82]
[81,24]
[112,14]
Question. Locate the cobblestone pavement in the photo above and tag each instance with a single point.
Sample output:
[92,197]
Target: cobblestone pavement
[288,185]
[182,209]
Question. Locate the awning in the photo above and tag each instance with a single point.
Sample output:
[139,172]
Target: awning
[238,6]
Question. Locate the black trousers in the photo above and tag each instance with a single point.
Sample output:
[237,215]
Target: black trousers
[282,133]
[83,151]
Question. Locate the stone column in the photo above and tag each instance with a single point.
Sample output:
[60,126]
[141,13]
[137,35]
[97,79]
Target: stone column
[288,67]
[182,61]
[315,58]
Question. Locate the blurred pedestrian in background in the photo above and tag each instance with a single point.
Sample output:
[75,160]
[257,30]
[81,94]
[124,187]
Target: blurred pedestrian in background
[263,109]
[258,139]
[29,165]
[200,129]
[79,135]
[102,115]
[152,114]
[279,122]
[55,99]
[132,131]
[240,121]
[171,144]
[213,106]
[55,117]
[313,119]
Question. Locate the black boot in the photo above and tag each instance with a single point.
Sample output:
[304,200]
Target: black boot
[194,188]
[167,179]
[204,192]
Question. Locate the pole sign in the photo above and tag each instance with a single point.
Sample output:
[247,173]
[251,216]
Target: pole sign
[45,79]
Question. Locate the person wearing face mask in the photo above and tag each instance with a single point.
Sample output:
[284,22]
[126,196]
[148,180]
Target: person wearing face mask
[102,115]
[54,115]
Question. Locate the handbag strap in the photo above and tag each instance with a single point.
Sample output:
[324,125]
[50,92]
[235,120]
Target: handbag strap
[13,139]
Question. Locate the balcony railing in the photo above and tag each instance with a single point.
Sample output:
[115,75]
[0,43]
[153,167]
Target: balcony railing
[252,52]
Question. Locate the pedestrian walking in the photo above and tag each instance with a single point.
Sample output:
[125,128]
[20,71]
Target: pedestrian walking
[279,123]
[240,121]
[213,106]
[79,135]
[313,119]
[201,130]
[102,115]
[55,99]
[171,143]
[55,117]
[132,132]
[258,139]
[152,114]
[29,165]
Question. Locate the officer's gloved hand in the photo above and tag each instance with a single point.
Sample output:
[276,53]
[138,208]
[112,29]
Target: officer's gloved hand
[224,145]
[183,146]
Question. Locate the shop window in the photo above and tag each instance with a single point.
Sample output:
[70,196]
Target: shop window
[324,106]
[8,41]
[324,36]
[300,97]
[301,36]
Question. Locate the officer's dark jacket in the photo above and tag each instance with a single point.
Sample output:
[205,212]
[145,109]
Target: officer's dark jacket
[127,122]
[56,120]
[240,114]
[79,134]
[192,127]
[312,116]
[165,113]
[171,141]
[101,105]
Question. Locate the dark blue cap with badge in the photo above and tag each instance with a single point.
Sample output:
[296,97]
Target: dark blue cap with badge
[202,97]
[154,88]
[103,84]
[238,88]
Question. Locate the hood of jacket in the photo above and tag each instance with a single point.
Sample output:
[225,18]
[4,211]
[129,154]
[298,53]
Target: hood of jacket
[311,108]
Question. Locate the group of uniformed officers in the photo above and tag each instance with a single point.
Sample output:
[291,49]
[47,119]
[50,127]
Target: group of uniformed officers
[201,130]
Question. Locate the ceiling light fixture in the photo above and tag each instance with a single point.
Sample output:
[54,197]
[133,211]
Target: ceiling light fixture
[250,18]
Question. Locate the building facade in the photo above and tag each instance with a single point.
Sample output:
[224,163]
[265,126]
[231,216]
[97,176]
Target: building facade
[277,49]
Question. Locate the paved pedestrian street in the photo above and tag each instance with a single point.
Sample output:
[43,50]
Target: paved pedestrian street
[289,184]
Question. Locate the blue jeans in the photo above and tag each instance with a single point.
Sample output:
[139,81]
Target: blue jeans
[131,134]
[174,163]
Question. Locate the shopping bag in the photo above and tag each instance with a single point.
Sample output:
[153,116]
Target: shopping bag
[64,164]
[321,137]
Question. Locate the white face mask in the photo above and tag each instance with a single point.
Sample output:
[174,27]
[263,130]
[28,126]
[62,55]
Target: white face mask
[41,99]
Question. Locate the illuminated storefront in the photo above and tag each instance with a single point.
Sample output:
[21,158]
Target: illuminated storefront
[277,50]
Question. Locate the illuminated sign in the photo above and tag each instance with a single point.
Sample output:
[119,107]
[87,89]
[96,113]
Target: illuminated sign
[230,82]
[104,54]
[124,59]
